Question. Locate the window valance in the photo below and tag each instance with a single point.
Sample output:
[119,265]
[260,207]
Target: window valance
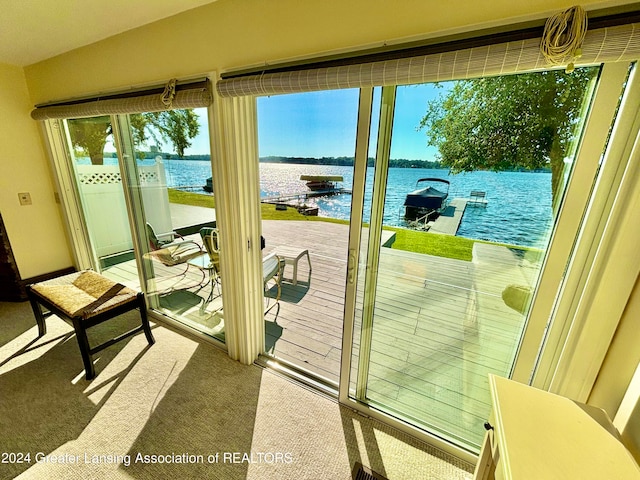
[608,44]
[172,96]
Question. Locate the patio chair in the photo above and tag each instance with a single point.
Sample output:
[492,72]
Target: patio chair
[209,237]
[272,268]
[172,252]
[272,265]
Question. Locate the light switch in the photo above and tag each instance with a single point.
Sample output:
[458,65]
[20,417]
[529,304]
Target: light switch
[25,198]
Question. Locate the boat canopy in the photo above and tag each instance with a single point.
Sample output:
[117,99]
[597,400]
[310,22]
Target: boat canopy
[426,199]
[430,179]
[321,178]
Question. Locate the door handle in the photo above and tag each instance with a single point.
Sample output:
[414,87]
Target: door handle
[351,266]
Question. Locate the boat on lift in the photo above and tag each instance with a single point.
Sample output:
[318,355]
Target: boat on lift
[428,200]
[326,183]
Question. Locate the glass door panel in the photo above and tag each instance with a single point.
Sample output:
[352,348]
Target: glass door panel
[173,209]
[306,146]
[445,300]
[96,169]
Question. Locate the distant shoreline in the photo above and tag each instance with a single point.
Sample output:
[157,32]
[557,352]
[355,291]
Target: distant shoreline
[349,161]
[324,161]
[335,161]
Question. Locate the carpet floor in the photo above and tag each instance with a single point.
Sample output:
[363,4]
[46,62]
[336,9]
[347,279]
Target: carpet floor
[178,409]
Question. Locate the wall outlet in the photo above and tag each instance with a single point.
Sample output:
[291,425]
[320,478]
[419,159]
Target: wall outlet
[25,198]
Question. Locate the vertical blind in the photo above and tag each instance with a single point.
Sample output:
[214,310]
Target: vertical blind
[609,44]
[189,95]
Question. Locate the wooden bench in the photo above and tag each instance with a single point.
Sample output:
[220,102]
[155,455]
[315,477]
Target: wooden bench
[85,299]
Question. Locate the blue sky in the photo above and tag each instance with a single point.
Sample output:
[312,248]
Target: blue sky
[323,124]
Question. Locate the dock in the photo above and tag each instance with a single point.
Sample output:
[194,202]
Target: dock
[298,200]
[303,196]
[448,221]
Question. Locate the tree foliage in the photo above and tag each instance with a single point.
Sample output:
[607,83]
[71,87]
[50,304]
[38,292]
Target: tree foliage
[512,121]
[90,134]
[177,127]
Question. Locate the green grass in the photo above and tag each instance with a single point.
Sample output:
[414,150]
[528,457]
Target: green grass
[268,211]
[437,244]
[190,198]
[440,245]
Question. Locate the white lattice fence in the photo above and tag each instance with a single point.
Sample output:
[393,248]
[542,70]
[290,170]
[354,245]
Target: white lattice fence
[153,184]
[105,208]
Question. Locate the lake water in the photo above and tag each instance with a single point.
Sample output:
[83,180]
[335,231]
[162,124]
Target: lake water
[518,210]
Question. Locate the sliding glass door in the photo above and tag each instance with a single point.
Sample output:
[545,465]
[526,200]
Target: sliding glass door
[306,144]
[463,203]
[139,194]
[445,299]
[460,193]
[172,207]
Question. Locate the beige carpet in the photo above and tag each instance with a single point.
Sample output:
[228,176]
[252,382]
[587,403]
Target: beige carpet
[181,400]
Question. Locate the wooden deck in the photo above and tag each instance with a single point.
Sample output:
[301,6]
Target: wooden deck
[440,325]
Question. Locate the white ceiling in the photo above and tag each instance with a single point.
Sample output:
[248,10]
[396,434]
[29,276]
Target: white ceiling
[34,30]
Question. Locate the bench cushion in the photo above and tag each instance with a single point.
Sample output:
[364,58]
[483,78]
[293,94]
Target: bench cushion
[84,294]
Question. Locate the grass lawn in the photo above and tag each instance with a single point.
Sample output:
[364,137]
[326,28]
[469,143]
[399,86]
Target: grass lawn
[440,245]
[190,198]
[437,244]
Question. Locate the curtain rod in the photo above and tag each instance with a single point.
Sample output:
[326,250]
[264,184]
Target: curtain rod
[447,44]
[156,90]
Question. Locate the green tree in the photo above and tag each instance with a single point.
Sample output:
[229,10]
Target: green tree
[90,135]
[511,121]
[178,127]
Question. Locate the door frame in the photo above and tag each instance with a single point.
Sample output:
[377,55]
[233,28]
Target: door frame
[605,265]
[561,250]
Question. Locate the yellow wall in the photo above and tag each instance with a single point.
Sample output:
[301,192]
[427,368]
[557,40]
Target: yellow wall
[231,34]
[35,231]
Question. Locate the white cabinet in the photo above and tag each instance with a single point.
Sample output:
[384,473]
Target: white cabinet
[533,434]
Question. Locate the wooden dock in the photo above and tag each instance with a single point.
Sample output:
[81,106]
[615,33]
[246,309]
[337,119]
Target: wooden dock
[294,199]
[449,220]
[299,200]
[440,324]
